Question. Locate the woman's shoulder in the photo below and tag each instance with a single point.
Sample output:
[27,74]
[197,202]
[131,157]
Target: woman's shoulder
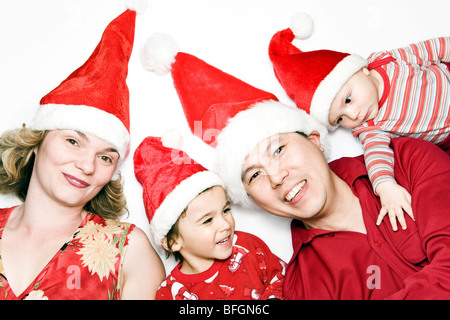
[4,215]
[5,211]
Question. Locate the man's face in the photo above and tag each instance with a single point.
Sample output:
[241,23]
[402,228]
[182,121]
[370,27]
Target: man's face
[287,175]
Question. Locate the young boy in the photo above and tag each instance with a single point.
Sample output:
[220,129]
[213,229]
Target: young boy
[401,92]
[190,217]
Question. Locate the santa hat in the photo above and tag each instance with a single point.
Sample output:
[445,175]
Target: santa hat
[169,181]
[95,97]
[237,114]
[312,79]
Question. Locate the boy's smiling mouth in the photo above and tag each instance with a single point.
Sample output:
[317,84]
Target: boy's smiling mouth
[224,241]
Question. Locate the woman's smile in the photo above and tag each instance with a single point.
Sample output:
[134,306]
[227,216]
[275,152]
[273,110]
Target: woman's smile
[78,183]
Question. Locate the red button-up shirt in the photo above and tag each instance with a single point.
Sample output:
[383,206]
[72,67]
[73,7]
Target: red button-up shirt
[404,264]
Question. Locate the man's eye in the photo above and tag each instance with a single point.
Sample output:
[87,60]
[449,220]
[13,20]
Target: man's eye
[254,176]
[277,152]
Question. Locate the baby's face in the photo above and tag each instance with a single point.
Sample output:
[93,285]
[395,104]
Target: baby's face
[356,102]
[207,230]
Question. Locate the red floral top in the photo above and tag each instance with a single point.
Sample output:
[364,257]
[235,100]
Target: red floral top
[86,267]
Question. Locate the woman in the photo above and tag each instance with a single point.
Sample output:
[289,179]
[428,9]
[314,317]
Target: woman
[52,245]
[65,240]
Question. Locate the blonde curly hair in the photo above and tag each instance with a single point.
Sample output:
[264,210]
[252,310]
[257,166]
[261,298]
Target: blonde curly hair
[16,166]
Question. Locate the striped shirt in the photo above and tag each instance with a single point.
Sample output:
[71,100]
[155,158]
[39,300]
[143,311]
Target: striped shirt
[415,102]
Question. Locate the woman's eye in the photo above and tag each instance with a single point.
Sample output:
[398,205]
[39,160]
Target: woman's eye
[227,210]
[72,141]
[106,159]
[348,99]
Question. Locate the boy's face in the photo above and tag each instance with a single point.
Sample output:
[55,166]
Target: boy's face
[206,231]
[356,102]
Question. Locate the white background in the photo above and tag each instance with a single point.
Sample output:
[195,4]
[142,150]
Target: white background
[43,41]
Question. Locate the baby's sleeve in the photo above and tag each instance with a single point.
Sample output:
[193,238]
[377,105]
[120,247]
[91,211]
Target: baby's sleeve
[425,53]
[378,156]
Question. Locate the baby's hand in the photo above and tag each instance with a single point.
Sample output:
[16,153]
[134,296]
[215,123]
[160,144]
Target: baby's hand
[394,199]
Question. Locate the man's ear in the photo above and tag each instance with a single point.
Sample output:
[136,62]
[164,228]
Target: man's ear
[314,137]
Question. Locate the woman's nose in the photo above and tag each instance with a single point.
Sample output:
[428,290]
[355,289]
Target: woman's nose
[86,163]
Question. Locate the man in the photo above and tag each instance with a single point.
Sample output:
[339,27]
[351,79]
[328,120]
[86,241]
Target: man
[339,252]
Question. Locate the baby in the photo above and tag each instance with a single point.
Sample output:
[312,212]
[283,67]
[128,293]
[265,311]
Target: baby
[190,217]
[400,92]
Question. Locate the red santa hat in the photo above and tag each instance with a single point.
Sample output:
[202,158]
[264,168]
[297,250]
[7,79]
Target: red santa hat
[95,97]
[170,181]
[312,79]
[234,116]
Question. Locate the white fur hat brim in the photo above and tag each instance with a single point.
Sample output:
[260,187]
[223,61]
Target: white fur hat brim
[178,199]
[246,130]
[84,119]
[331,85]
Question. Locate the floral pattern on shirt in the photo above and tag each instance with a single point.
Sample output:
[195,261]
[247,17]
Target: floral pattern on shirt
[88,266]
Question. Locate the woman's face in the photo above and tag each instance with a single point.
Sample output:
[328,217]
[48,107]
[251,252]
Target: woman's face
[71,167]
[287,175]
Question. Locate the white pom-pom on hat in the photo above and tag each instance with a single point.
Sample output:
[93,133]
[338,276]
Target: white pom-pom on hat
[140,6]
[302,25]
[158,53]
[172,138]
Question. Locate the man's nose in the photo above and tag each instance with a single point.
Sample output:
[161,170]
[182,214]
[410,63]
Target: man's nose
[276,174]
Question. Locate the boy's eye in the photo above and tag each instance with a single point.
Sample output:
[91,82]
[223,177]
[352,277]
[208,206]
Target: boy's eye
[207,221]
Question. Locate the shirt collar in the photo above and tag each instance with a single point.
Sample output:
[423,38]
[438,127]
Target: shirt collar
[348,169]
